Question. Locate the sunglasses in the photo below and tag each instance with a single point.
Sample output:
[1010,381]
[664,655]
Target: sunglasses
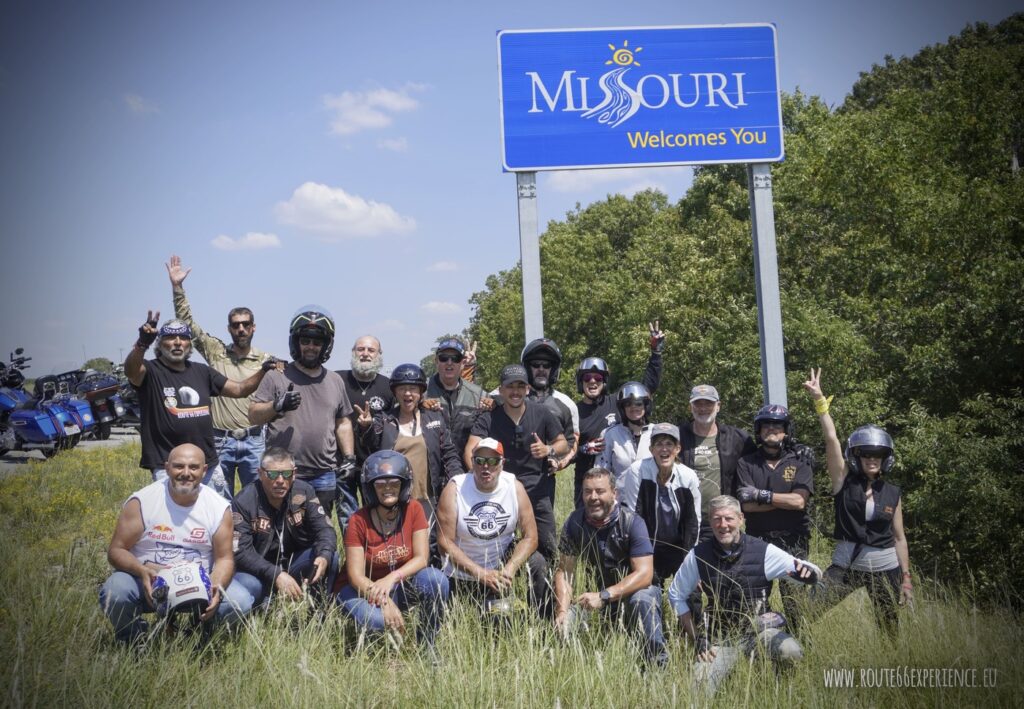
[387,482]
[275,474]
[307,341]
[486,460]
[246,324]
[519,435]
[588,378]
[871,452]
[540,365]
[448,358]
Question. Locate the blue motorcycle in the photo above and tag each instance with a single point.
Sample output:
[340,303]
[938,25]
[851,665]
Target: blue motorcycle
[27,423]
[58,390]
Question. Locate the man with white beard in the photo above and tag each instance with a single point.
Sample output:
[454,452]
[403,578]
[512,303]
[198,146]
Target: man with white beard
[369,390]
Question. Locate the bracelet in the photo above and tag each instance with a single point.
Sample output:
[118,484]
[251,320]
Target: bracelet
[821,405]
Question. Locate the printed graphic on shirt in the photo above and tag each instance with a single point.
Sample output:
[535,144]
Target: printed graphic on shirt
[171,555]
[376,404]
[182,403]
[789,473]
[487,520]
[391,555]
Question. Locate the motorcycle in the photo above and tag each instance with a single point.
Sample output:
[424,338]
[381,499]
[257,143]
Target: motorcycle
[27,423]
[132,416]
[102,391]
[57,390]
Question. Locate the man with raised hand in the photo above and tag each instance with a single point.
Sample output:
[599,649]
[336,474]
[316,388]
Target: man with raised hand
[173,521]
[175,396]
[459,399]
[239,445]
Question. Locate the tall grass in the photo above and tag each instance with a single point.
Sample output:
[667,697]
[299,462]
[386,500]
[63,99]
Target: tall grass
[57,649]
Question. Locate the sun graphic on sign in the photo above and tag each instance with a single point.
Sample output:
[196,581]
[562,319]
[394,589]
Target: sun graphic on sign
[624,56]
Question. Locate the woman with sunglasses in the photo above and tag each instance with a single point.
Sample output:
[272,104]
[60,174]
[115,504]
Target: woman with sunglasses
[417,433]
[871,547]
[386,555]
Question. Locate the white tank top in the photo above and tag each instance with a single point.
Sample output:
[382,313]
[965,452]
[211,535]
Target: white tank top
[486,523]
[174,534]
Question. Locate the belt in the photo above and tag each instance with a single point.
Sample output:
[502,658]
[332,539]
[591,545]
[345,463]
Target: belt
[238,434]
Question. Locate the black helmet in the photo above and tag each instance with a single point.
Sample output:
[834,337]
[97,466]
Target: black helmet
[869,436]
[592,364]
[311,321]
[546,350]
[633,391]
[408,374]
[773,412]
[386,464]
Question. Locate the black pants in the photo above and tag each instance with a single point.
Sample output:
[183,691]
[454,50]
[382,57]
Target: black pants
[883,588]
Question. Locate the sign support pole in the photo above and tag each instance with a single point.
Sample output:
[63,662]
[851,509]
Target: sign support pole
[766,274]
[529,254]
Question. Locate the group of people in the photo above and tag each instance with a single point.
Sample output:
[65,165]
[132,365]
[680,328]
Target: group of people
[458,490]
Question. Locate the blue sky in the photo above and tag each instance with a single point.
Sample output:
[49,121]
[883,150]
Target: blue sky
[339,153]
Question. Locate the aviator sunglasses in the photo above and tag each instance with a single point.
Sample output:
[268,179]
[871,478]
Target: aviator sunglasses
[275,474]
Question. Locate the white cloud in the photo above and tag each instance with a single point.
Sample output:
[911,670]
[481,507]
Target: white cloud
[443,266]
[438,307]
[398,145]
[583,180]
[250,242]
[138,104]
[355,111]
[335,214]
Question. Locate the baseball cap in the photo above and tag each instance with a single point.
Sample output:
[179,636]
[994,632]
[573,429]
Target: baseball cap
[452,344]
[513,373]
[704,391]
[665,429]
[490,443]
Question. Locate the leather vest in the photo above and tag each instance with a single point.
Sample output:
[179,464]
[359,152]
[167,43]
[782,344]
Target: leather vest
[851,506]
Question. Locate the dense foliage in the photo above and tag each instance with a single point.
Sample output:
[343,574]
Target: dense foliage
[898,220]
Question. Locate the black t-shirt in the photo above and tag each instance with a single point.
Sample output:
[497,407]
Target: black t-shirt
[791,474]
[516,440]
[176,409]
[376,394]
[594,419]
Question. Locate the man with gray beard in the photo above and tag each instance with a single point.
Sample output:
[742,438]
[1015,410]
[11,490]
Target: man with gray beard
[369,390]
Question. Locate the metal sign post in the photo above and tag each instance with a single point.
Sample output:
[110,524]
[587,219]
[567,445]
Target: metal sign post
[766,274]
[529,254]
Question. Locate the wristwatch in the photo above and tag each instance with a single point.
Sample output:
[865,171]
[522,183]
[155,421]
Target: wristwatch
[606,596]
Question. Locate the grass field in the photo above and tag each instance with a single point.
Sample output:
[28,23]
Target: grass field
[56,518]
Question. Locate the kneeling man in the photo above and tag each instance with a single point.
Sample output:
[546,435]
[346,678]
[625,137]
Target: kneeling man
[736,571]
[283,538]
[173,521]
[614,542]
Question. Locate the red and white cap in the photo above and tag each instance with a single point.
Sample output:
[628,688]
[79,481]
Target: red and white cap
[491,444]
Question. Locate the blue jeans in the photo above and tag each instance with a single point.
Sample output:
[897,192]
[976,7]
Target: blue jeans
[300,567]
[642,613]
[428,588]
[242,456]
[324,484]
[214,478]
[123,601]
[345,499]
